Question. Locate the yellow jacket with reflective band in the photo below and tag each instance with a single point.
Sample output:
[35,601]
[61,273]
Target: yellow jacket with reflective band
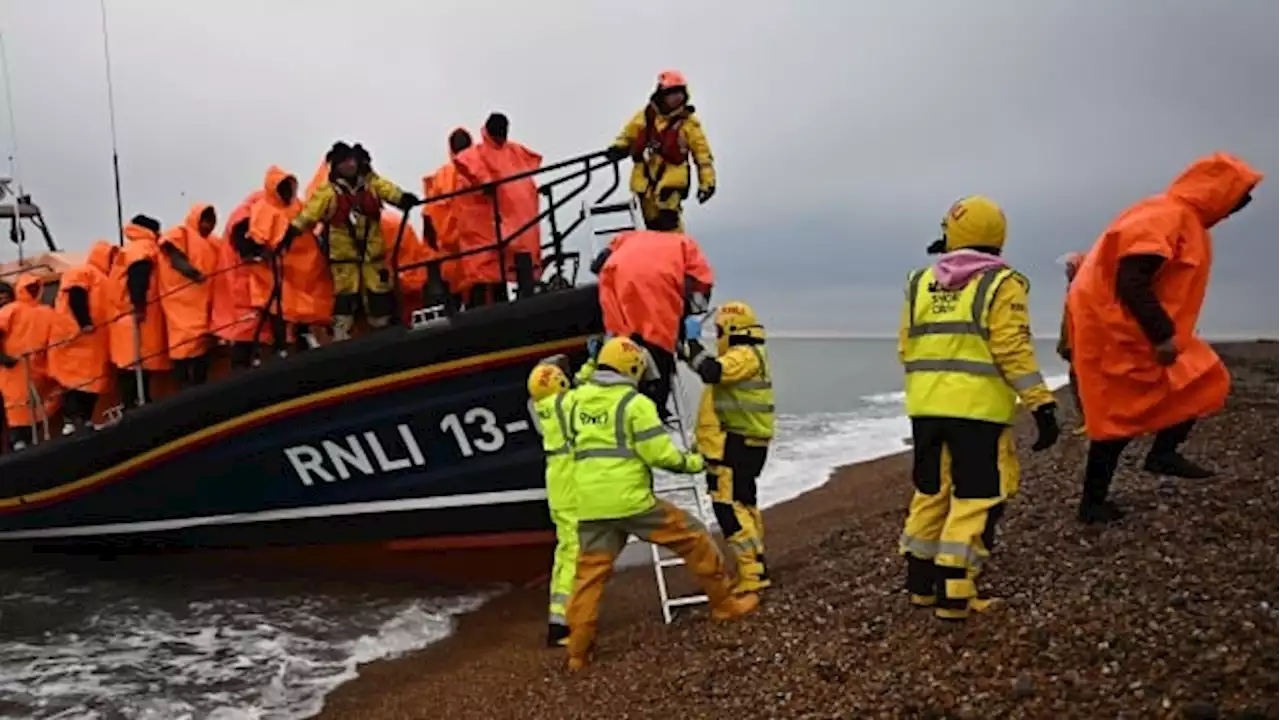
[617,437]
[553,422]
[741,403]
[968,353]
[675,177]
[343,245]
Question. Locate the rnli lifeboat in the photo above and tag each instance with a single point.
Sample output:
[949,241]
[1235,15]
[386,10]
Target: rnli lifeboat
[412,448]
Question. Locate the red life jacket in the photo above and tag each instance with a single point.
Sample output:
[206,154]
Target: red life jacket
[669,144]
[347,203]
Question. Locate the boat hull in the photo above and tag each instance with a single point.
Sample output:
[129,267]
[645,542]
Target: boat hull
[409,442]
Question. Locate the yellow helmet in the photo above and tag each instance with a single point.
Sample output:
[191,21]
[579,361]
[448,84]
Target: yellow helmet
[624,356]
[973,222]
[547,379]
[737,319]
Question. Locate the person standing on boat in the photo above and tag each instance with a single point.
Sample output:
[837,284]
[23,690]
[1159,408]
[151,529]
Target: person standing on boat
[187,257]
[350,206]
[617,442]
[659,138]
[734,429]
[1134,304]
[25,327]
[650,280]
[440,219]
[550,390]
[79,345]
[966,345]
[139,344]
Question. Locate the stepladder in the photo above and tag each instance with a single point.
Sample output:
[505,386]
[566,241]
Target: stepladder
[610,218]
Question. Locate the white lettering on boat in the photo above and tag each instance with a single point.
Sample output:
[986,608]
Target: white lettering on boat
[364,452]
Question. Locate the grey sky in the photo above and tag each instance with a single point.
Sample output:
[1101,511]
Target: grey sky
[842,131]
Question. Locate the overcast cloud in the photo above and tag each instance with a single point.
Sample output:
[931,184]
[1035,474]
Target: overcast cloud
[842,130]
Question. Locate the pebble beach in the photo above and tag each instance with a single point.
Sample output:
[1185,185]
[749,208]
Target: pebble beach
[1169,614]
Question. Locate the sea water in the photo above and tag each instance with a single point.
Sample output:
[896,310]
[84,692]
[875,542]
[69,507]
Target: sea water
[129,640]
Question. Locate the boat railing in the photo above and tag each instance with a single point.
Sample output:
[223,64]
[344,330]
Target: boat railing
[578,170]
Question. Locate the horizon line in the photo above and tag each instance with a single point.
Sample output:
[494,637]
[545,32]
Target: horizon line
[846,335]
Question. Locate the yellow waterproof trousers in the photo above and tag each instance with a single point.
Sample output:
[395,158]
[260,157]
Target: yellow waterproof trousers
[964,473]
[734,497]
[564,566]
[651,204]
[602,541]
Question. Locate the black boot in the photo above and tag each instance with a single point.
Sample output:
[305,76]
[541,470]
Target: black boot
[557,635]
[1173,464]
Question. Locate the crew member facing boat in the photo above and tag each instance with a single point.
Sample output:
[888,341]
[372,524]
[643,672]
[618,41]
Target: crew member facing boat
[617,440]
[79,354]
[188,258]
[659,138]
[550,391]
[350,205]
[734,429]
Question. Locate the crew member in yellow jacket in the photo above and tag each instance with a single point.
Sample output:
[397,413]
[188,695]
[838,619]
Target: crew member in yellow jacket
[966,346]
[659,138]
[617,439]
[350,206]
[735,427]
[550,391]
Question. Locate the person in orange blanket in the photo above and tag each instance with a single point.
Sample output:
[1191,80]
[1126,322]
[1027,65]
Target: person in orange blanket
[25,326]
[410,250]
[79,345]
[231,313]
[482,278]
[1133,306]
[440,218]
[650,281]
[304,294]
[138,339]
[189,256]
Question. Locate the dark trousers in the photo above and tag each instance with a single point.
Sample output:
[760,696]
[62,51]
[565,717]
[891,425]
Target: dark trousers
[77,407]
[190,372]
[659,390]
[128,383]
[1104,457]
[241,355]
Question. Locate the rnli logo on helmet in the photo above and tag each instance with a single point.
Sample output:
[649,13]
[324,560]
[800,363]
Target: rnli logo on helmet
[732,310]
[546,375]
[958,210]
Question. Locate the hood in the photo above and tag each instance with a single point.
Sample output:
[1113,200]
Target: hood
[101,256]
[276,175]
[1214,185]
[192,221]
[954,269]
[605,376]
[22,289]
[136,233]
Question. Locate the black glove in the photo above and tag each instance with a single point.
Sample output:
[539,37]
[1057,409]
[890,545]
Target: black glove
[704,194]
[1047,431]
[614,153]
[8,361]
[600,260]
[290,234]
[937,247]
[408,201]
[691,349]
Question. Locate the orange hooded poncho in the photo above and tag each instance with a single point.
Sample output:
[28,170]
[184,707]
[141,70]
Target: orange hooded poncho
[518,205]
[185,302]
[232,316]
[642,285]
[80,360]
[444,217]
[141,245]
[306,295]
[25,327]
[1124,390]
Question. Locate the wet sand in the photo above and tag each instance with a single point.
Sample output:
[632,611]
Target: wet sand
[1170,614]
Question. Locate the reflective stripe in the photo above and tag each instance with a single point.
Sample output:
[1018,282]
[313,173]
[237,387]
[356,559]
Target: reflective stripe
[754,385]
[952,327]
[558,619]
[559,598]
[972,367]
[1026,382]
[620,449]
[562,450]
[731,404]
[651,433]
[921,548]
[968,555]
[565,448]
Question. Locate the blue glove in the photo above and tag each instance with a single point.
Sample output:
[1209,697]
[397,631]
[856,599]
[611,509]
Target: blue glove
[692,328]
[593,345]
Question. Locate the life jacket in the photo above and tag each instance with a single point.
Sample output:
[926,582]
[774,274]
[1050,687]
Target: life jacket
[668,143]
[348,202]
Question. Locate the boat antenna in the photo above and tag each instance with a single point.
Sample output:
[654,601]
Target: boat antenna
[111,109]
[16,222]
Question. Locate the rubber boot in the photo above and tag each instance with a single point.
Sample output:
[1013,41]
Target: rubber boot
[734,607]
[342,325]
[752,576]
[557,635]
